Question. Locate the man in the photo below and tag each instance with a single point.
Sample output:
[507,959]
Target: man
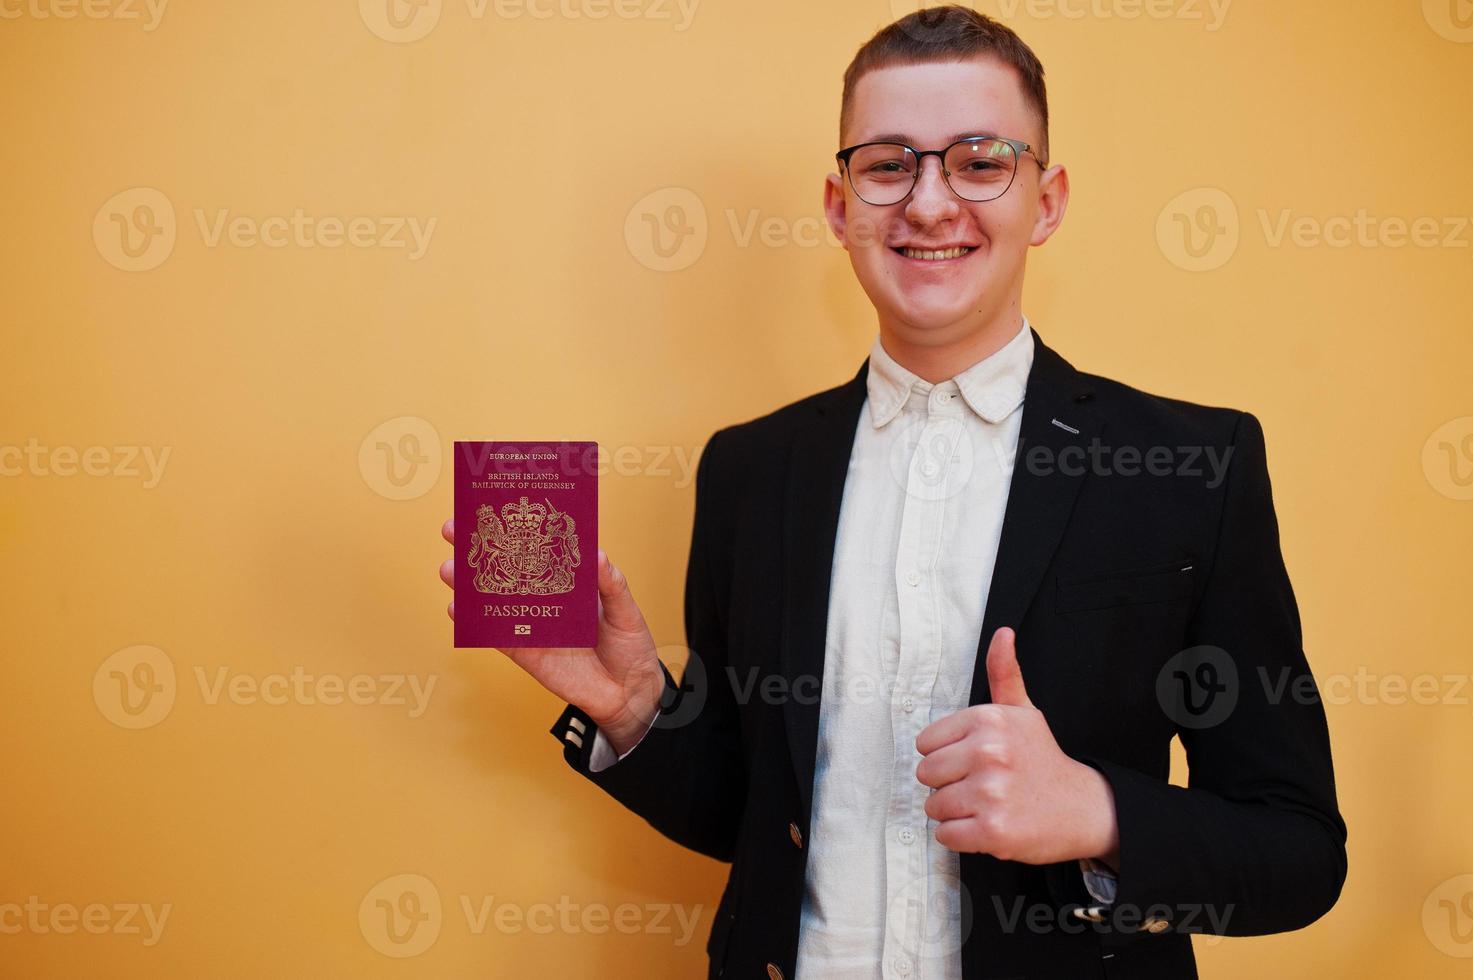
[946,618]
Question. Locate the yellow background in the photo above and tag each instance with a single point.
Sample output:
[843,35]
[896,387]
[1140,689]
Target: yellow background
[535,313]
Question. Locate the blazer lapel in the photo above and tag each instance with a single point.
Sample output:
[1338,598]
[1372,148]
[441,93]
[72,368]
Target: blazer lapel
[1040,495]
[817,467]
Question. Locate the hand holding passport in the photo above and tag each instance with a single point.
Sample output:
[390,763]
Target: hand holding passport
[527,570]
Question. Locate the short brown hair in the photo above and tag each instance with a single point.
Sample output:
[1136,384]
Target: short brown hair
[950,33]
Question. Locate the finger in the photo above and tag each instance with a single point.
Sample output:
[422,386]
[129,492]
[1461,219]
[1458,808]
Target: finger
[451,609]
[1004,676]
[967,835]
[951,803]
[619,608]
[447,572]
[447,530]
[956,726]
[955,762]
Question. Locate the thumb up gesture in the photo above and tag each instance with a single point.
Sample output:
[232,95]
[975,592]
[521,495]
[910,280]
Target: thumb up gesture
[1002,786]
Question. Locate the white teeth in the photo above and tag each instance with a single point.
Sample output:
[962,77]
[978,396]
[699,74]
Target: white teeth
[931,256]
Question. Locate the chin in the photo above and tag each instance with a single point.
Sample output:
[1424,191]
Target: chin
[933,313]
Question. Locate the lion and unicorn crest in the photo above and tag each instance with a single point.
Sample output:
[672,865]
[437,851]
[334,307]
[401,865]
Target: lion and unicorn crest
[529,550]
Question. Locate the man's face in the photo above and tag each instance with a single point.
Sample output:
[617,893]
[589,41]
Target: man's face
[928,106]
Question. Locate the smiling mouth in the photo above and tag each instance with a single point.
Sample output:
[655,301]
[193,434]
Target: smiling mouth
[934,255]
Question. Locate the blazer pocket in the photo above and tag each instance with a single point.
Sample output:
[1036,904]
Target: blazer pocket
[1159,582]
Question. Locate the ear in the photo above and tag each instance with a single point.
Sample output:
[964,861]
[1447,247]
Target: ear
[1053,200]
[835,208]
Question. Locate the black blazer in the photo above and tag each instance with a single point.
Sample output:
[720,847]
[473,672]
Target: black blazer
[1148,603]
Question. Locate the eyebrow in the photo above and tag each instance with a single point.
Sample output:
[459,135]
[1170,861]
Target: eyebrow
[980,133]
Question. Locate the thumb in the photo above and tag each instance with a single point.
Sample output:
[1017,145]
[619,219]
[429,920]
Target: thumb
[1004,676]
[619,607]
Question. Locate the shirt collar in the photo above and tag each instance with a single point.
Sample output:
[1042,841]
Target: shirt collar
[993,387]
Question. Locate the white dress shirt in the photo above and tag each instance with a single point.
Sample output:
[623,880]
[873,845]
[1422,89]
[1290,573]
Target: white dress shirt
[918,532]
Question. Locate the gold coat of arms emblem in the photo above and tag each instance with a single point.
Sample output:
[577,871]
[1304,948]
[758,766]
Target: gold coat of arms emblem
[530,549]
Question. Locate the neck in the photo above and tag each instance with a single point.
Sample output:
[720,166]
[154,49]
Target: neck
[936,356]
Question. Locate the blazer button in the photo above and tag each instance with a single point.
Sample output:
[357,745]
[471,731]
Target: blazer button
[773,972]
[796,835]
[1155,925]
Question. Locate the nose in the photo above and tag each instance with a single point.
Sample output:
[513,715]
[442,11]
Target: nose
[931,200]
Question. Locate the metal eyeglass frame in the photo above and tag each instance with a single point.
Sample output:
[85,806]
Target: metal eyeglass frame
[1019,148]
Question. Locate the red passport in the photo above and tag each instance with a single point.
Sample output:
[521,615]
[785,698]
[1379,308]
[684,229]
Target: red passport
[526,544]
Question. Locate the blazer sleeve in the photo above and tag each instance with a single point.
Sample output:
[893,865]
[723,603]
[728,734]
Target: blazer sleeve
[1255,843]
[687,776]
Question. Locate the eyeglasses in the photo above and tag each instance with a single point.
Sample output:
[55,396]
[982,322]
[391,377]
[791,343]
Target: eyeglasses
[976,169]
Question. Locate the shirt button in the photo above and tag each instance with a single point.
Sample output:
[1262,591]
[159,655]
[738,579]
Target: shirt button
[902,966]
[908,703]
[928,469]
[906,835]
[913,577]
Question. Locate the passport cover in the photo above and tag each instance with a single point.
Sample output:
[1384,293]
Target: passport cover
[526,544]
